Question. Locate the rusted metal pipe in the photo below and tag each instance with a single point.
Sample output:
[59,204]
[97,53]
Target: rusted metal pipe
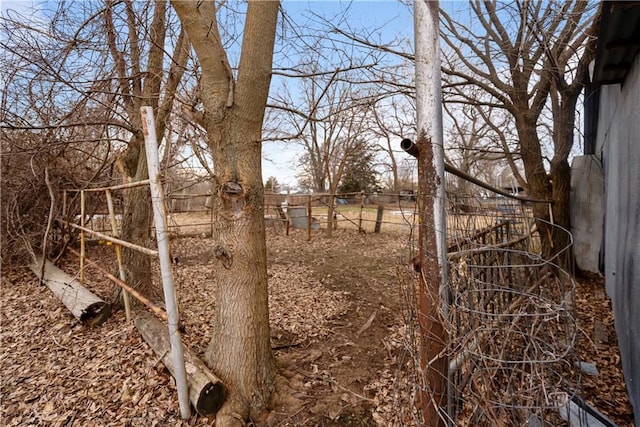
[432,296]
[137,295]
[411,148]
[111,239]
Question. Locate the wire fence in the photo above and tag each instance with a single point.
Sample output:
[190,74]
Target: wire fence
[512,330]
[510,322]
[191,214]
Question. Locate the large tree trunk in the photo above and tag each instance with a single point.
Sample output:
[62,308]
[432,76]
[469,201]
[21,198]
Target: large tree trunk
[136,225]
[537,179]
[240,352]
[560,238]
[146,90]
[564,100]
[564,117]
[331,200]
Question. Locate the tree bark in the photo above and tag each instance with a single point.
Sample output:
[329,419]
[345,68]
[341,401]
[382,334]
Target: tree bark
[240,352]
[564,100]
[560,173]
[331,200]
[136,228]
[538,182]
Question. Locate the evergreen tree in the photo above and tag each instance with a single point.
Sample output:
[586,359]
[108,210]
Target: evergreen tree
[272,185]
[359,174]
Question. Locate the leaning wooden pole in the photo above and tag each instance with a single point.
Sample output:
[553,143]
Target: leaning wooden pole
[81,302]
[121,270]
[432,231]
[82,235]
[162,237]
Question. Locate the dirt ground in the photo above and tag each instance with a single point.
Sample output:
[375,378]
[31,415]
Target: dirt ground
[338,331]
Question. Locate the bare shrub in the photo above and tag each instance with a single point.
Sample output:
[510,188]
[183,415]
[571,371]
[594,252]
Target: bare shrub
[28,161]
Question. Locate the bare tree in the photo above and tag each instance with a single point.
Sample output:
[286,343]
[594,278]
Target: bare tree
[331,122]
[89,70]
[392,121]
[233,108]
[53,125]
[477,142]
[324,54]
[139,59]
[518,53]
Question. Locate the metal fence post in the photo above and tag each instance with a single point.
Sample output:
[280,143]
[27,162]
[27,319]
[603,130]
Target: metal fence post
[157,200]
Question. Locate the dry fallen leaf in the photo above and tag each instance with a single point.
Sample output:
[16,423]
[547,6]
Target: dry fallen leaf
[338,300]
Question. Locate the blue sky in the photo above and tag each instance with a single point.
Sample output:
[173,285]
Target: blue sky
[19,5]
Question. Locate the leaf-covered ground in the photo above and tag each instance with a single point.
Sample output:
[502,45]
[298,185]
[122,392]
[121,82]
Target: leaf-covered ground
[338,329]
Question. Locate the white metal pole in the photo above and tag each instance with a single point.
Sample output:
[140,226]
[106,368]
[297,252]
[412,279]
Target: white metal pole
[157,200]
[430,142]
[429,109]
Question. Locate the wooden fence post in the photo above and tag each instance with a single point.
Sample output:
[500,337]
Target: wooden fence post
[82,237]
[379,215]
[121,270]
[309,219]
[361,209]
